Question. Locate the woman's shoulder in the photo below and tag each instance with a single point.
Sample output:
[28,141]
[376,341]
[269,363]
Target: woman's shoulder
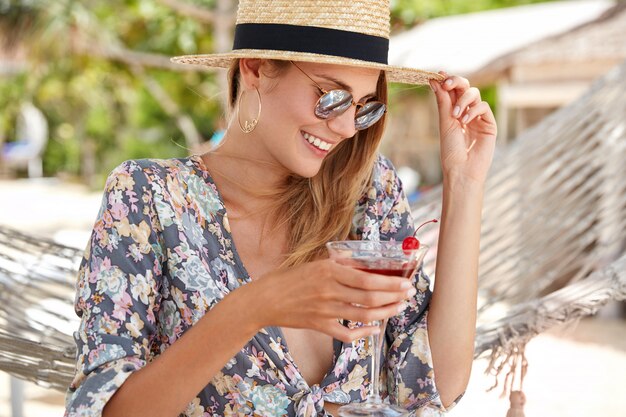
[150,170]
[382,211]
[384,188]
[154,165]
[385,179]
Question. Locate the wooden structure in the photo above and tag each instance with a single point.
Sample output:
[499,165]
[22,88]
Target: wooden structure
[542,77]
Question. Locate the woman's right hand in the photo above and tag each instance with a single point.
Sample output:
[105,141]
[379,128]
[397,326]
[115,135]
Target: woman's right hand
[314,295]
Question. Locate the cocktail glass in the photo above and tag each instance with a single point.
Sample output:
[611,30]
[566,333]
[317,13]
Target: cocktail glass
[383,258]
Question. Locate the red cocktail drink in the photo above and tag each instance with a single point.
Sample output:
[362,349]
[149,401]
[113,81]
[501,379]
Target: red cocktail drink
[382,258]
[405,270]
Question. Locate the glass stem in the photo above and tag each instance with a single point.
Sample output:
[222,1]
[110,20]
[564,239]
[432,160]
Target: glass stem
[376,344]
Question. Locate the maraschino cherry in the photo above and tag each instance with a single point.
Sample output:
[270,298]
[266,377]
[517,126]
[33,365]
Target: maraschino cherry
[411,242]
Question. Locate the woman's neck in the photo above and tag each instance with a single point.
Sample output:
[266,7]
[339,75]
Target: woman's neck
[244,172]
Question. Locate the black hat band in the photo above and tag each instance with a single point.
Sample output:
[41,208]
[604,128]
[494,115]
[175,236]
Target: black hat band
[315,40]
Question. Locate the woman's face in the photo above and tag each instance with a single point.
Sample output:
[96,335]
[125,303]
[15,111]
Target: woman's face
[288,128]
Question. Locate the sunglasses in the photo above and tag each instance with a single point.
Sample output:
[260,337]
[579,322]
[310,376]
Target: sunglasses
[334,103]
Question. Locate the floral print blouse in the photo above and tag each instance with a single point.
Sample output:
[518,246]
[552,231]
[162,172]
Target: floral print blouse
[161,255]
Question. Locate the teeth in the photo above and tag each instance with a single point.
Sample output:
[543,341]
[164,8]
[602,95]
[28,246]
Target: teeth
[317,142]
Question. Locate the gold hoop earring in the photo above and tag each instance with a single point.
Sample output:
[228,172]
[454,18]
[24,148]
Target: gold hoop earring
[248,126]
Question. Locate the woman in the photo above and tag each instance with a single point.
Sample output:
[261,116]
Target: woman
[206,289]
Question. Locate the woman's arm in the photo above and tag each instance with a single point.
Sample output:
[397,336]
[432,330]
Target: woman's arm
[468,134]
[165,386]
[452,317]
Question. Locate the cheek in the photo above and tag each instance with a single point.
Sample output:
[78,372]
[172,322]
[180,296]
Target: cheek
[289,108]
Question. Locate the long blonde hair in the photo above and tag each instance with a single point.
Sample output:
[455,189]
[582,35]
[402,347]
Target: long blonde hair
[321,209]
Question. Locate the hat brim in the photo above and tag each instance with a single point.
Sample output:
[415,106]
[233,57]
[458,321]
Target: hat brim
[394,74]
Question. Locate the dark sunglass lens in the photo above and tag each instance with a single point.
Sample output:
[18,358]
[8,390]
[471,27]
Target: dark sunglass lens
[333,103]
[369,114]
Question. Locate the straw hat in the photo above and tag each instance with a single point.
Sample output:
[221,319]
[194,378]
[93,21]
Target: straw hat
[343,32]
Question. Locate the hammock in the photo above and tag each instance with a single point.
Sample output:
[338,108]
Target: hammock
[37,319]
[553,246]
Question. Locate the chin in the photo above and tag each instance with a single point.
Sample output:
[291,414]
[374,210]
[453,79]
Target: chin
[303,165]
[308,170]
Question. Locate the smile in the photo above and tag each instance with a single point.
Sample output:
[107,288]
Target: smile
[317,142]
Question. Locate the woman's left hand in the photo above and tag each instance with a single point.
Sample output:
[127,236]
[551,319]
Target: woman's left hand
[467,129]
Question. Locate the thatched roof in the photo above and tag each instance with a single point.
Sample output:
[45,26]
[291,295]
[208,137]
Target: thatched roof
[463,44]
[601,40]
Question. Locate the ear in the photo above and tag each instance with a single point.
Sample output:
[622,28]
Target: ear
[249,69]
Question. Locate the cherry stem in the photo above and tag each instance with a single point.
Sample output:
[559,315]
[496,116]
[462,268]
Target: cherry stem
[425,223]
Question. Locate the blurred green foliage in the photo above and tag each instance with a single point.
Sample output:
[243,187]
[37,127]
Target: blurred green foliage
[99,105]
[101,108]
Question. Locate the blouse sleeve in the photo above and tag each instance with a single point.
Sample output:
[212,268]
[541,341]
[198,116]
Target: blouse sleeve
[408,367]
[117,292]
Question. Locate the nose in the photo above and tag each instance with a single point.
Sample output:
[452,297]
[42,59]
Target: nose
[343,125]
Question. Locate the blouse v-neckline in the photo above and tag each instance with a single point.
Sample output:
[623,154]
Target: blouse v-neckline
[337,344]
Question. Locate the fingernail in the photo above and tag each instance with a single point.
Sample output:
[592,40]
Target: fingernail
[411,292]
[449,81]
[406,284]
[465,118]
[456,111]
[433,85]
[402,307]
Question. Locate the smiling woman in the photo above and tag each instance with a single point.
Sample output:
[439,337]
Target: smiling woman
[206,287]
